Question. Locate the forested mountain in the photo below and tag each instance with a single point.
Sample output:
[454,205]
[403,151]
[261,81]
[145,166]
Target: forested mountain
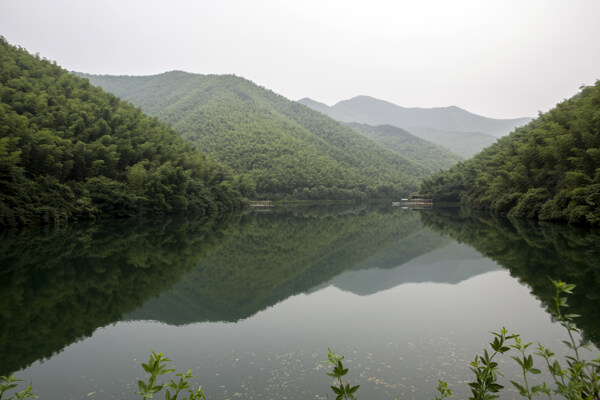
[458,130]
[549,169]
[277,146]
[432,156]
[69,150]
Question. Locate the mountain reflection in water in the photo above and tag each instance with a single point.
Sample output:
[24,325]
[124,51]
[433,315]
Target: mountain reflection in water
[59,286]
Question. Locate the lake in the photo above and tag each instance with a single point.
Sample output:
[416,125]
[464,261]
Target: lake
[252,301]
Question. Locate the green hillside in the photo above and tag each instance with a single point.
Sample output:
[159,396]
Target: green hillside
[277,146]
[549,169]
[465,144]
[70,151]
[429,155]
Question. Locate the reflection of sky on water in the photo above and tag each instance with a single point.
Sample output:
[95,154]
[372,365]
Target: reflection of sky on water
[397,341]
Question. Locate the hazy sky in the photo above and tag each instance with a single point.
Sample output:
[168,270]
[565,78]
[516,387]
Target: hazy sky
[497,58]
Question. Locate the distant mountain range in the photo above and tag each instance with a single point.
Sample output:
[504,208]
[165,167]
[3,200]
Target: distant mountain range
[463,132]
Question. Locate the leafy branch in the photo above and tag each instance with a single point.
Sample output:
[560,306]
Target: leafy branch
[338,370]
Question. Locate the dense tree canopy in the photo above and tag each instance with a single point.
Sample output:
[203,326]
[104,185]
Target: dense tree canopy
[69,150]
[279,147]
[549,169]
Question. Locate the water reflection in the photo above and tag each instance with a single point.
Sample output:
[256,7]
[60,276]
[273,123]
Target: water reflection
[59,285]
[271,257]
[532,252]
[394,289]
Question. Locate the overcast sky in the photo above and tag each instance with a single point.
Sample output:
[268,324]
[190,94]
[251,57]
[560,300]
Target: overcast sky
[496,58]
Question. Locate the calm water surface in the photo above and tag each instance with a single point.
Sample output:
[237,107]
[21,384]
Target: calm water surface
[251,303]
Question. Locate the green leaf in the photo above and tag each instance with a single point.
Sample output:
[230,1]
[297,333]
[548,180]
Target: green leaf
[528,362]
[165,371]
[494,387]
[142,386]
[155,389]
[568,344]
[10,386]
[519,387]
[518,360]
[569,288]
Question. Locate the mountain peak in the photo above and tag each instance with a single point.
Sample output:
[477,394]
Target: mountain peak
[370,110]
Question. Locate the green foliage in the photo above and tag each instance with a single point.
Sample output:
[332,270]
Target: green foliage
[337,372]
[429,155]
[443,390]
[9,382]
[156,367]
[546,170]
[486,370]
[278,147]
[579,380]
[71,151]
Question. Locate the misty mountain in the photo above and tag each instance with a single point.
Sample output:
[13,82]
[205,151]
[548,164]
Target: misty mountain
[373,111]
[466,144]
[468,133]
[430,155]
